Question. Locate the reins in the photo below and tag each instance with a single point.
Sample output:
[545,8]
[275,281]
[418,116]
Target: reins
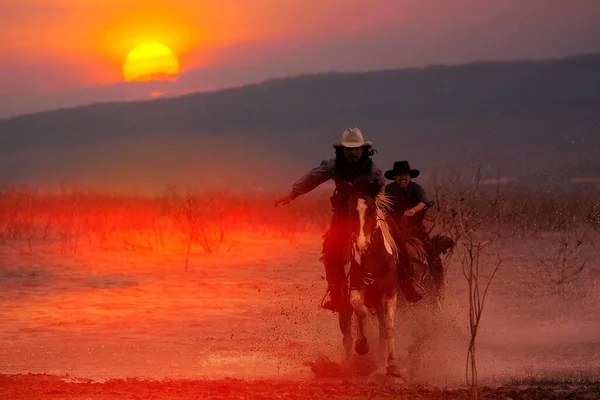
[368,278]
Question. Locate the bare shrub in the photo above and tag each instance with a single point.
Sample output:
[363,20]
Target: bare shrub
[505,210]
[533,214]
[565,265]
[466,214]
[21,218]
[200,219]
[186,213]
[214,231]
[110,220]
[470,257]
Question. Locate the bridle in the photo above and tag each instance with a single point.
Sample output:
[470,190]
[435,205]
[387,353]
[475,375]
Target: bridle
[368,278]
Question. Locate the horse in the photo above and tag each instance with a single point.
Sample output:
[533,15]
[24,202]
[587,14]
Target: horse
[425,262]
[373,280]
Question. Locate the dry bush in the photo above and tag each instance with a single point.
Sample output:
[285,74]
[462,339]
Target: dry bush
[200,218]
[470,258]
[30,217]
[462,205]
[466,211]
[166,222]
[22,218]
[474,214]
[565,265]
[507,211]
[530,215]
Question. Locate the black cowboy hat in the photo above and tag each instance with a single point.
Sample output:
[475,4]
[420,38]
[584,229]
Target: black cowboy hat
[401,168]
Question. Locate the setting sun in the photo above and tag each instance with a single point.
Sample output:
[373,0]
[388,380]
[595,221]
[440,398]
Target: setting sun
[150,61]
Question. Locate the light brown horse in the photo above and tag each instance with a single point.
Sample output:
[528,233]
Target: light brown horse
[372,277]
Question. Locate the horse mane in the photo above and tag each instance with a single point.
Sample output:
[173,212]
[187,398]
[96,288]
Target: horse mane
[384,204]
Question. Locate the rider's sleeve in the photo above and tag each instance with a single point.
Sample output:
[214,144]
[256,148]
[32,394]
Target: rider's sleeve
[420,195]
[314,178]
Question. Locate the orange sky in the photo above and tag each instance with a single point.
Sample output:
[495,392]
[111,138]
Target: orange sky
[60,45]
[98,34]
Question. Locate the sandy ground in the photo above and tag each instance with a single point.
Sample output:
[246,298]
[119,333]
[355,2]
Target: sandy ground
[52,387]
[246,324]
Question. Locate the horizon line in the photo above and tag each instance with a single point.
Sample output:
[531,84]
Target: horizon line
[196,92]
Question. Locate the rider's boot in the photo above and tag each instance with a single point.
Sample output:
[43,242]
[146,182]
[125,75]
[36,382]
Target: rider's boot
[334,271]
[337,299]
[436,246]
[333,259]
[440,245]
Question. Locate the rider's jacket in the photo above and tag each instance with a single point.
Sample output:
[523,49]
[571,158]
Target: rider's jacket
[364,177]
[404,199]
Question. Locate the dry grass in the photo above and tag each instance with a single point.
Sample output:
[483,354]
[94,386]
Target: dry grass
[171,221]
[517,214]
[212,221]
[548,379]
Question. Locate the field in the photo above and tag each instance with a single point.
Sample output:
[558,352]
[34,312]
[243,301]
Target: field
[181,296]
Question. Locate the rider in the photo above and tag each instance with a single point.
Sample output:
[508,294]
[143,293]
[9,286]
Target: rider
[352,169]
[409,200]
[409,205]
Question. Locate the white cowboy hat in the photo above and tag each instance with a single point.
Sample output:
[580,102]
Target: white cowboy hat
[352,138]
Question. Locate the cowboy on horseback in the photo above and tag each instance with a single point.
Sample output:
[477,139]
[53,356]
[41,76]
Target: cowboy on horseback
[408,198]
[410,203]
[352,170]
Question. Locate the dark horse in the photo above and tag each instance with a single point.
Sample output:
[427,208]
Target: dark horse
[373,277]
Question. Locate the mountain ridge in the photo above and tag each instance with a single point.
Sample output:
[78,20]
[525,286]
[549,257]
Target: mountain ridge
[512,115]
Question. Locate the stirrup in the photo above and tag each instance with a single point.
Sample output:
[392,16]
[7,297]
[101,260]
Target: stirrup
[332,306]
[335,301]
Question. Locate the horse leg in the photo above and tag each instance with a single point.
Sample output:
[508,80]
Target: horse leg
[356,300]
[388,311]
[345,320]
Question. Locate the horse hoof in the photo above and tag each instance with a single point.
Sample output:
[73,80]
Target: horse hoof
[395,371]
[362,347]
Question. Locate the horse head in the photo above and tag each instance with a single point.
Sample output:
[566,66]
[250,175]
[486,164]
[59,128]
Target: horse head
[362,213]
[371,241]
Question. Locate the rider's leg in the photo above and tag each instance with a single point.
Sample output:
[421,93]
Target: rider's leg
[410,288]
[403,257]
[436,269]
[334,245]
[433,259]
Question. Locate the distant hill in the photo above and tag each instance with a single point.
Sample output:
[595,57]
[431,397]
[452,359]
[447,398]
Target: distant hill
[516,117]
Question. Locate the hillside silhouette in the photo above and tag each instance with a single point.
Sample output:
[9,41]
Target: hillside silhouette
[518,118]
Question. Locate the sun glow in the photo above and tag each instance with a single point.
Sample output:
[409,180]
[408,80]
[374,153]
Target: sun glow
[151,61]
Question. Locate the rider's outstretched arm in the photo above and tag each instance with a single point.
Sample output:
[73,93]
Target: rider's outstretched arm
[314,178]
[310,181]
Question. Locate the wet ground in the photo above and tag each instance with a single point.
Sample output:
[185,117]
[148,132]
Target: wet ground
[245,323]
